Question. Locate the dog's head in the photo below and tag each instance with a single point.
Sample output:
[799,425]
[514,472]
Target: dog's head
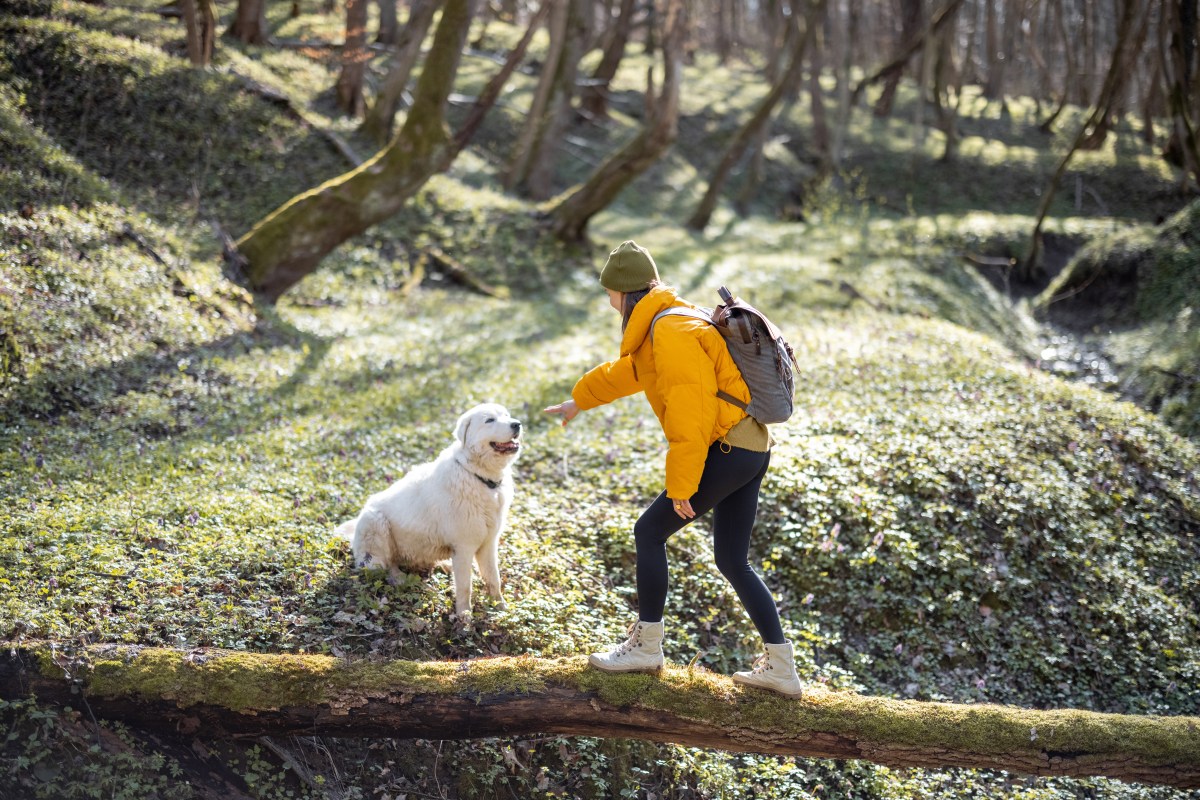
[489,435]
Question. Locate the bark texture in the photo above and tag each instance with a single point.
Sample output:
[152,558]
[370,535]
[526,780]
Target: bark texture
[380,117]
[349,89]
[290,242]
[250,22]
[229,694]
[572,214]
[757,122]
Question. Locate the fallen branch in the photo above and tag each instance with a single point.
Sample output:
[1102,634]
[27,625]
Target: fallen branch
[237,694]
[848,289]
[273,95]
[458,273]
[989,261]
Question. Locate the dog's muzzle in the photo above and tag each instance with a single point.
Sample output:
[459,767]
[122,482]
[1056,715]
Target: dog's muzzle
[512,445]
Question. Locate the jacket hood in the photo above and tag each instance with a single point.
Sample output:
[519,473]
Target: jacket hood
[658,299]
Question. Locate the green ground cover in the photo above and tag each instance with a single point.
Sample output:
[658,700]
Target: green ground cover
[942,520]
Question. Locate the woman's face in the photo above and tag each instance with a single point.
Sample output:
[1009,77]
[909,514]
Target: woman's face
[615,299]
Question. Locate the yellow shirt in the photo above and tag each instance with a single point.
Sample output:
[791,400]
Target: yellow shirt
[749,434]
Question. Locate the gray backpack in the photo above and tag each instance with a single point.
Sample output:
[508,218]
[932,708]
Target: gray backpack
[759,350]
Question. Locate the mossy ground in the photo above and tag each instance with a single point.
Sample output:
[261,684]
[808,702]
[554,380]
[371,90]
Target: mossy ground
[942,520]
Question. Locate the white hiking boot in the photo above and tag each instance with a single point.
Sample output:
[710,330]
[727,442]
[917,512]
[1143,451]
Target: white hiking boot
[641,652]
[774,670]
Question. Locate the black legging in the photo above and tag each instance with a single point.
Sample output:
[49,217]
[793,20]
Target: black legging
[729,486]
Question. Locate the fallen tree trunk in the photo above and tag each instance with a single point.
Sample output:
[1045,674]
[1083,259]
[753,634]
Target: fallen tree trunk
[233,694]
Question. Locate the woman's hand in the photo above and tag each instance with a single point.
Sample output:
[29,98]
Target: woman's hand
[568,410]
[683,508]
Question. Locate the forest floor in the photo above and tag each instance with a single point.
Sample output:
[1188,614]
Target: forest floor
[944,518]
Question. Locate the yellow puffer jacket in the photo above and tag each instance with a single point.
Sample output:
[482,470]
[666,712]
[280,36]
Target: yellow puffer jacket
[680,373]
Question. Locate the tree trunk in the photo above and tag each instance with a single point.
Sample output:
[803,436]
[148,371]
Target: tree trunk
[378,122]
[389,23]
[594,97]
[1031,265]
[724,32]
[539,178]
[946,77]
[237,694]
[207,14]
[846,98]
[1179,66]
[355,55]
[822,141]
[992,57]
[195,40]
[250,22]
[1085,40]
[487,98]
[910,27]
[1061,27]
[1032,37]
[571,215]
[758,120]
[943,16]
[1096,138]
[290,242]
[523,150]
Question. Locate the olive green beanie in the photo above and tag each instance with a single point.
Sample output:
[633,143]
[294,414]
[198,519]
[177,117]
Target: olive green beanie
[628,269]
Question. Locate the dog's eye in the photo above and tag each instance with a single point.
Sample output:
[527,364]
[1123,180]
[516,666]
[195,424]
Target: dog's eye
[490,419]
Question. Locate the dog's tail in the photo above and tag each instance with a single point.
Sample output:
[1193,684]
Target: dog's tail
[346,529]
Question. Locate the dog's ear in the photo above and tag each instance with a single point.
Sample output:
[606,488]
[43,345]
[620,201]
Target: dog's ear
[464,424]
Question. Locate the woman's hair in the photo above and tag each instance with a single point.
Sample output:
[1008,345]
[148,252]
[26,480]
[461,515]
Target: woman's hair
[631,300]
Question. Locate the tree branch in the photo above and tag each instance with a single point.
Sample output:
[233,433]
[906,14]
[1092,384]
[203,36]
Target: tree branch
[238,694]
[940,18]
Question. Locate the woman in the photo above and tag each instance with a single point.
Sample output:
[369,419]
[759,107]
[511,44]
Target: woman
[716,459]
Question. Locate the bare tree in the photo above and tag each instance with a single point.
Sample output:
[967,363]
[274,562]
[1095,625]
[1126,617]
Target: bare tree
[523,150]
[725,30]
[250,22]
[487,98]
[594,96]
[290,242]
[389,23]
[1179,59]
[200,21]
[943,16]
[355,55]
[910,29]
[947,79]
[1069,79]
[379,118]
[538,181]
[1123,56]
[533,159]
[847,36]
[571,215]
[800,41]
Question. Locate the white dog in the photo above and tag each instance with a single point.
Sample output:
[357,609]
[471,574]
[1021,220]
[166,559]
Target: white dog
[453,507]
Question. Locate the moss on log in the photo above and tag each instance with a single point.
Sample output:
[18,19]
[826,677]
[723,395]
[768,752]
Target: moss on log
[229,694]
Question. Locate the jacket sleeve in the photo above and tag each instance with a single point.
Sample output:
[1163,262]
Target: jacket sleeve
[687,382]
[605,383]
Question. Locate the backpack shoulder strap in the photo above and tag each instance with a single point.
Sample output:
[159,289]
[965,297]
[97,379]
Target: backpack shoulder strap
[678,311]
